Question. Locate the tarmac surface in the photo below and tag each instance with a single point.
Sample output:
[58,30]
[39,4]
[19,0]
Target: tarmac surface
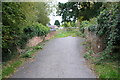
[59,58]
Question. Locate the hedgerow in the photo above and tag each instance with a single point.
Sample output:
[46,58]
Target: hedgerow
[36,29]
[17,19]
[108,26]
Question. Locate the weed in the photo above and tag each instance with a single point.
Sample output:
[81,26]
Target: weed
[106,70]
[66,33]
[37,47]
[88,54]
[104,67]
[28,54]
[11,68]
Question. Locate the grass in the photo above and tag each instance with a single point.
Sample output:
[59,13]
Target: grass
[65,33]
[31,51]
[107,69]
[12,66]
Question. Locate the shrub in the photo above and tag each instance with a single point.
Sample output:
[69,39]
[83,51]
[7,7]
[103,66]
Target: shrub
[88,24]
[12,38]
[36,29]
[9,41]
[108,25]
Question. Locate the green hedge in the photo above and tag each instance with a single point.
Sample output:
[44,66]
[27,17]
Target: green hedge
[11,38]
[36,29]
[106,25]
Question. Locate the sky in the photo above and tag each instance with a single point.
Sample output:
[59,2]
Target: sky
[53,18]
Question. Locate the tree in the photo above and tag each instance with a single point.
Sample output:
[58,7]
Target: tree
[43,12]
[71,11]
[57,23]
[16,16]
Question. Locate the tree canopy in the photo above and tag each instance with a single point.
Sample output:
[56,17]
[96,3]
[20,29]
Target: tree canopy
[71,11]
[18,16]
[57,23]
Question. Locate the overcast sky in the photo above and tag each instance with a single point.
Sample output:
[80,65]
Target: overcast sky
[53,18]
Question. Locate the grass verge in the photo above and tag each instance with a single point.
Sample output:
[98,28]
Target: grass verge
[107,69]
[66,33]
[12,65]
[11,68]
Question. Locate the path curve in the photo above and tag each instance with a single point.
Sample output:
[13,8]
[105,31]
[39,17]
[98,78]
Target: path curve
[60,58]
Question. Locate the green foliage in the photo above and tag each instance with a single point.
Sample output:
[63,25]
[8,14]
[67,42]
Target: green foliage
[57,23]
[91,25]
[12,17]
[11,68]
[62,34]
[10,10]
[103,67]
[9,41]
[86,23]
[28,54]
[43,12]
[88,54]
[69,24]
[31,51]
[37,47]
[36,29]
[107,70]
[18,17]
[66,33]
[71,11]
[106,25]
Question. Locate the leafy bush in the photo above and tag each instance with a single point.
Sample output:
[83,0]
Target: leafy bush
[36,29]
[12,38]
[84,24]
[92,28]
[69,24]
[108,26]
[16,16]
[88,24]
[9,41]
[37,47]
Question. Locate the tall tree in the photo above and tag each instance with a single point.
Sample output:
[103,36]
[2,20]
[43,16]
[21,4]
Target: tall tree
[43,12]
[71,11]
[57,23]
[15,17]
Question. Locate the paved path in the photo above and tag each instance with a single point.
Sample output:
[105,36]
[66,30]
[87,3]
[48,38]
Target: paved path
[60,58]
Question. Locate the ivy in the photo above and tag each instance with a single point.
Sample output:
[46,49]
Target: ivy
[107,26]
[108,21]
